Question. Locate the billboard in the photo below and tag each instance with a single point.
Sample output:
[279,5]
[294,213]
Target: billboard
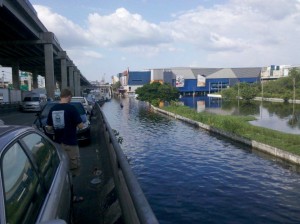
[179,81]
[200,106]
[201,81]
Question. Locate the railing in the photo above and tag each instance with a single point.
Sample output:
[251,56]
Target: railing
[134,205]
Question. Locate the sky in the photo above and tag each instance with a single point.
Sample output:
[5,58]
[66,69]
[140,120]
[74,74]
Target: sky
[104,38]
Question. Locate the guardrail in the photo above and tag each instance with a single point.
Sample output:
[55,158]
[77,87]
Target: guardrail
[134,205]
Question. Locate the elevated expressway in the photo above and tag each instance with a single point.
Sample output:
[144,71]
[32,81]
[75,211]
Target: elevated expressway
[27,45]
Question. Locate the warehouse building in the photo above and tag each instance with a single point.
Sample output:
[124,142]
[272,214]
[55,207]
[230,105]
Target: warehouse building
[191,81]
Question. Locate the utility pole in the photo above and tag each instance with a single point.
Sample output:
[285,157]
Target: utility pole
[262,89]
[294,93]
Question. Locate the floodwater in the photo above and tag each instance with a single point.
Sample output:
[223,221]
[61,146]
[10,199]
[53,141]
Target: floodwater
[284,117]
[192,176]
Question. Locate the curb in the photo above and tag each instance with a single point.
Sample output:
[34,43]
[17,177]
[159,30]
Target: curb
[257,145]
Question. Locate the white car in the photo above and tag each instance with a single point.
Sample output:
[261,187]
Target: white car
[84,102]
[33,102]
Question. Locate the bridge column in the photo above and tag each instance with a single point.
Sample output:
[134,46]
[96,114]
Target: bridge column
[71,79]
[49,64]
[34,80]
[79,85]
[15,76]
[49,70]
[76,82]
[63,65]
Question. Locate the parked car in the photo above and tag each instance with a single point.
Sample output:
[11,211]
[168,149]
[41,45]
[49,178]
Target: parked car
[33,102]
[84,102]
[82,134]
[35,182]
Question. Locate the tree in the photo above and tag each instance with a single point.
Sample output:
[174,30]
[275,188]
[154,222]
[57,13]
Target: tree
[245,90]
[248,91]
[156,92]
[284,87]
[229,94]
[116,86]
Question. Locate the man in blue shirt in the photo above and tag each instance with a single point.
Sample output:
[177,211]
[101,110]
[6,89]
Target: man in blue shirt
[64,119]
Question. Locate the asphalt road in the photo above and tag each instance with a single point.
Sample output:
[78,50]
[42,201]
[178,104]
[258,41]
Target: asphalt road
[92,209]
[18,118]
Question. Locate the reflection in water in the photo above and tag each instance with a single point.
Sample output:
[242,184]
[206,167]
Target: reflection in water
[191,176]
[282,117]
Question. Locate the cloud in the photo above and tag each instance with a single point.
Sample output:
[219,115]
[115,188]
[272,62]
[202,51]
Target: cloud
[238,25]
[233,26]
[235,33]
[278,9]
[123,29]
[68,33]
[223,43]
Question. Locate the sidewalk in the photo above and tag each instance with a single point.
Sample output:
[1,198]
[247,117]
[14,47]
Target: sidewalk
[95,184]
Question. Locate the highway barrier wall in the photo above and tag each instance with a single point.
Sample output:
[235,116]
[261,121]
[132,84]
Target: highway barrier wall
[134,205]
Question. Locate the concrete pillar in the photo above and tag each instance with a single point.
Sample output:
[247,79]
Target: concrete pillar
[34,80]
[48,39]
[29,78]
[71,79]
[49,70]
[79,86]
[75,82]
[63,65]
[15,76]
[59,85]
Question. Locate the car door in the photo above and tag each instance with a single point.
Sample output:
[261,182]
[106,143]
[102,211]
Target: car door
[53,168]
[23,193]
[34,187]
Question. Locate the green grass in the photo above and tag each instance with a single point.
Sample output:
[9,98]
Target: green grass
[239,125]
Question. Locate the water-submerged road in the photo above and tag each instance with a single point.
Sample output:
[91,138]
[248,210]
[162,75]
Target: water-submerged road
[192,176]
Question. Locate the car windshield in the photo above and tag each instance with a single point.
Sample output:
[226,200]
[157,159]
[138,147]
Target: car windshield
[27,99]
[47,108]
[81,100]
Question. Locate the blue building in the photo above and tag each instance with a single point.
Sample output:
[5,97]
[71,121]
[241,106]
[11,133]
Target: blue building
[136,79]
[201,81]
[191,81]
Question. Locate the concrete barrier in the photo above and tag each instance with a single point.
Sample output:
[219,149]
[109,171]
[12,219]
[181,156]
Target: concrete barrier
[134,205]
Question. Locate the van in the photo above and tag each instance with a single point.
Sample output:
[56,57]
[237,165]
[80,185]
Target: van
[33,102]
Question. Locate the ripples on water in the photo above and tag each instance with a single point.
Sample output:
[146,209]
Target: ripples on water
[192,176]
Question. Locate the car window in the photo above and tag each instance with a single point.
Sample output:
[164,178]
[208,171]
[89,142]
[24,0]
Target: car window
[79,108]
[35,99]
[81,100]
[28,99]
[45,156]
[23,193]
[46,110]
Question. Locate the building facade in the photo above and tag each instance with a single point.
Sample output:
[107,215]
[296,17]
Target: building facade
[201,81]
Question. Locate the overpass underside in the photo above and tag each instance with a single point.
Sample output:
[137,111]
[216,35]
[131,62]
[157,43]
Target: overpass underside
[27,45]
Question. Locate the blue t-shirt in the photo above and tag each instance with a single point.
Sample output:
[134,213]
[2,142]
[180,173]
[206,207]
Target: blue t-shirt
[64,118]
